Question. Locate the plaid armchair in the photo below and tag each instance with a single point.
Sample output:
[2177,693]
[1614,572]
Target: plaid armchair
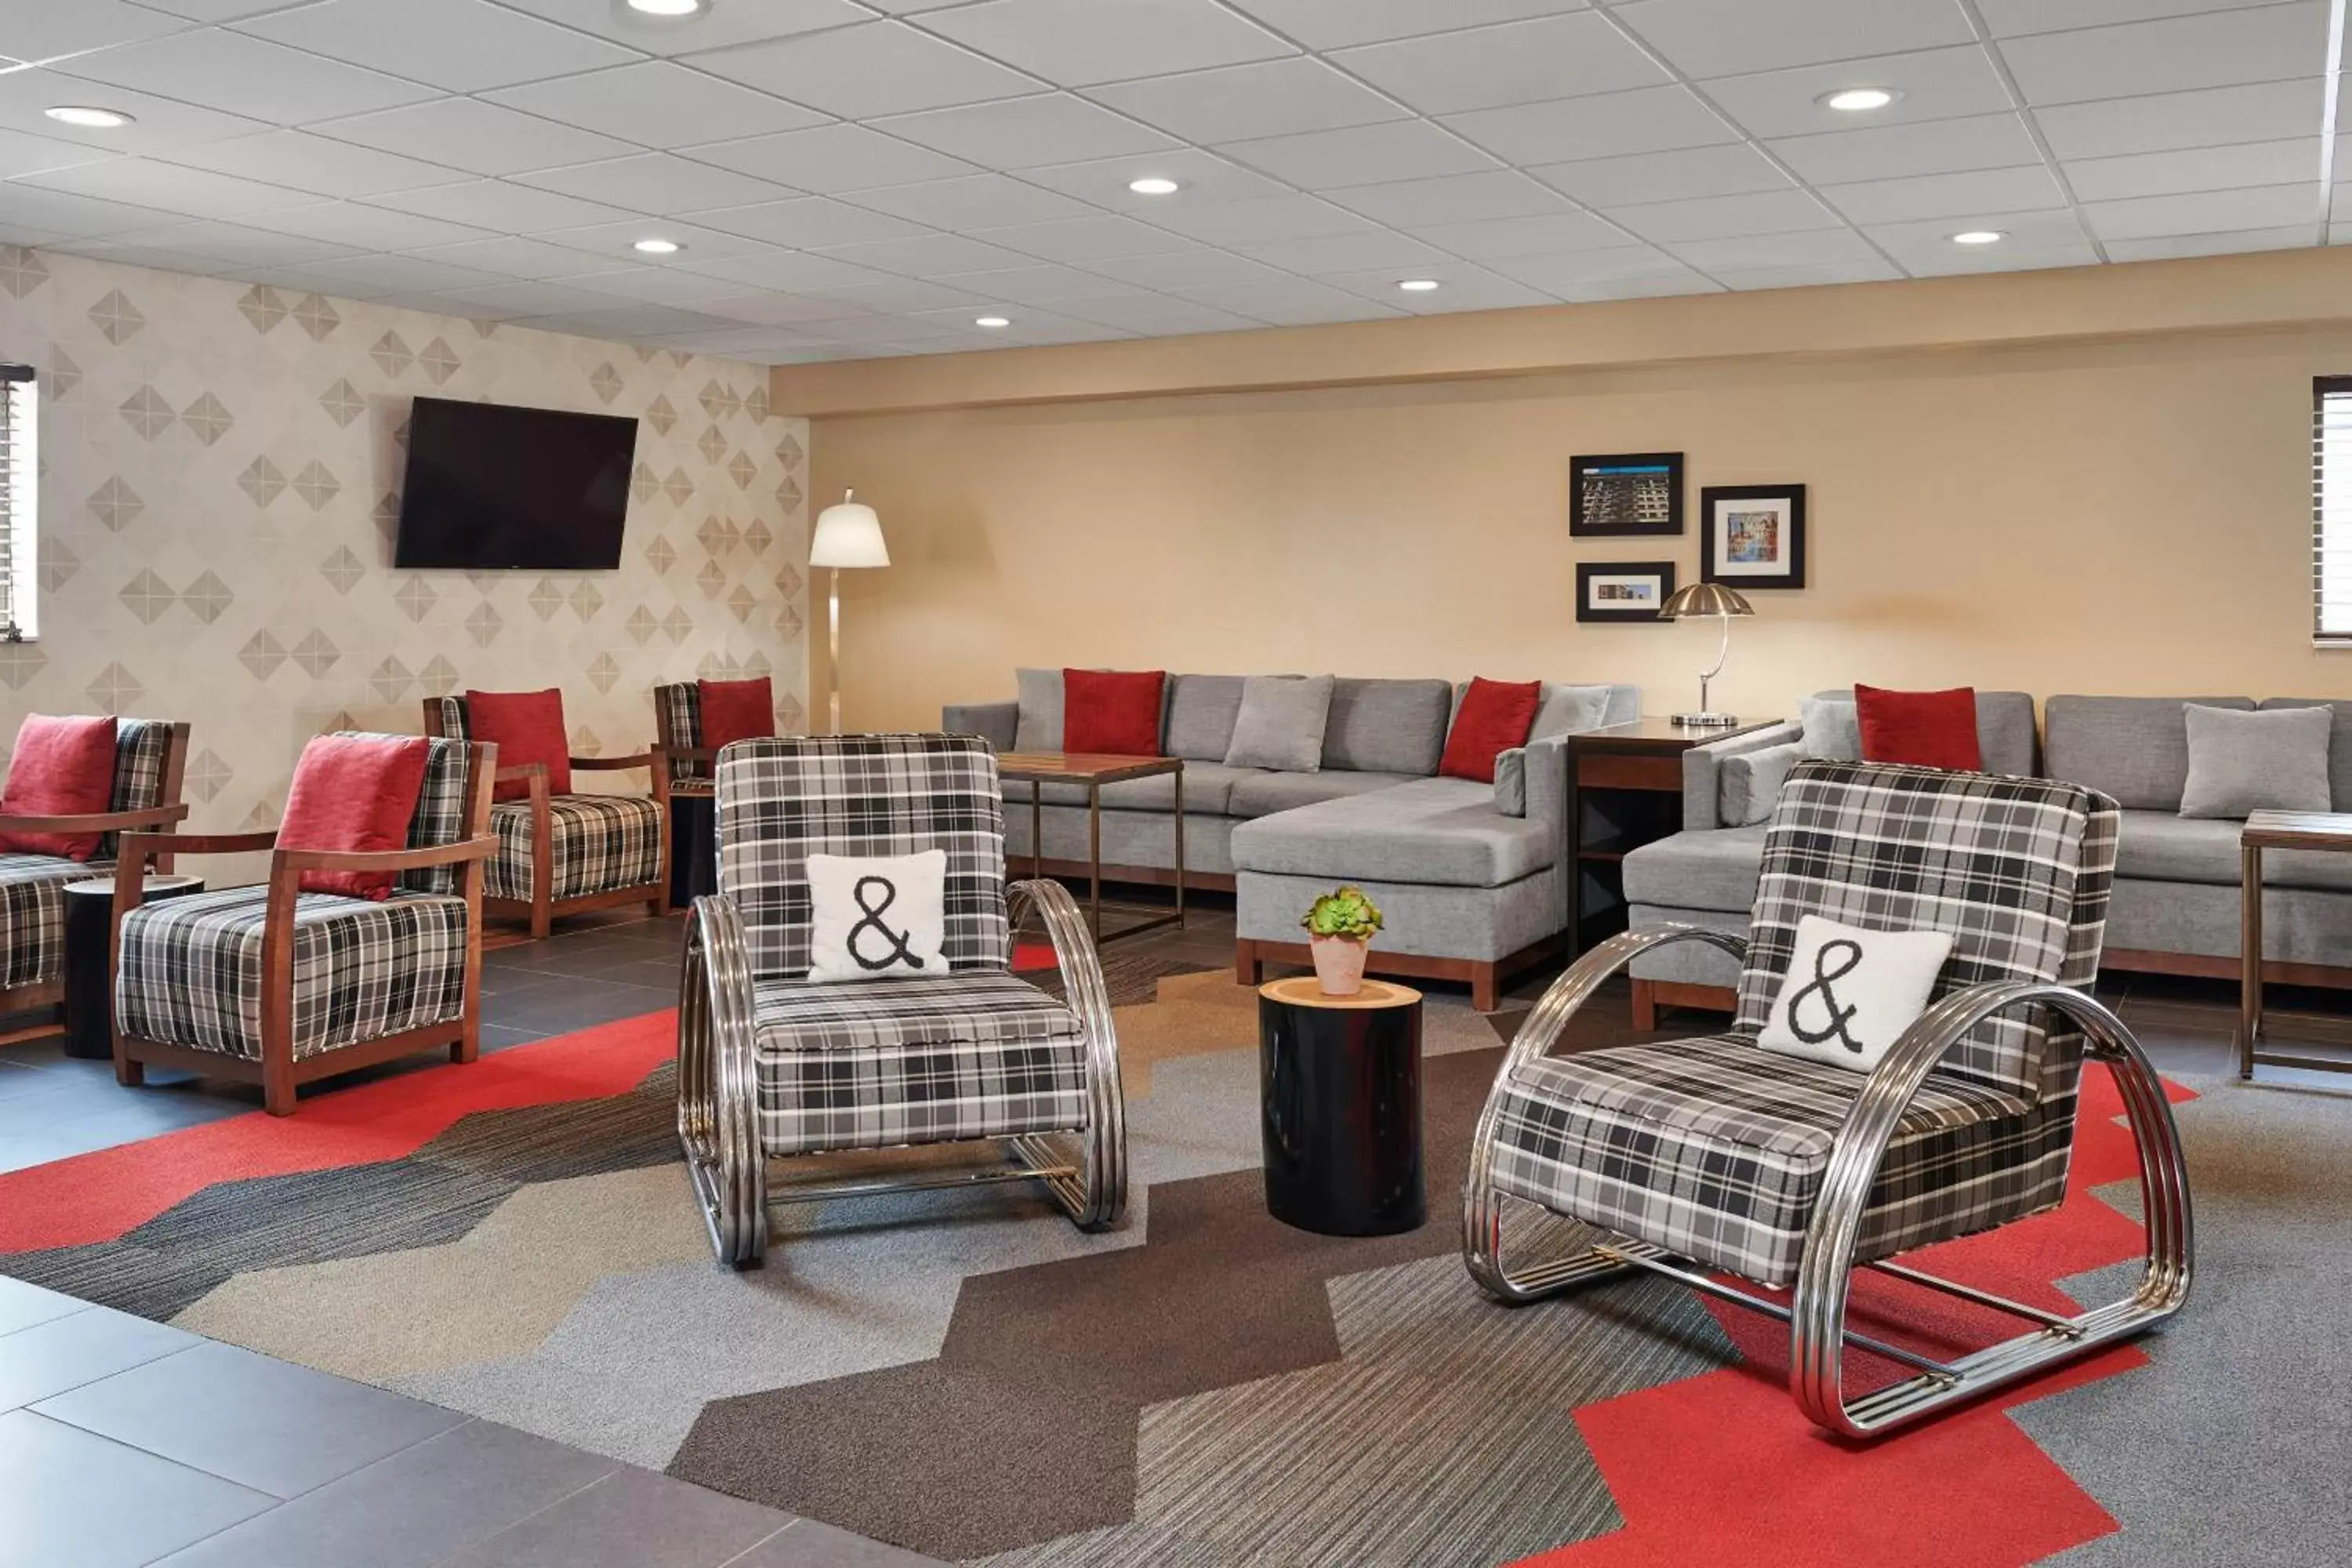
[272,985]
[772,1066]
[150,758]
[677,737]
[606,850]
[1788,1171]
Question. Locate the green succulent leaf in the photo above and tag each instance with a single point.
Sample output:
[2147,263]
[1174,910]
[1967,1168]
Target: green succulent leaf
[1345,912]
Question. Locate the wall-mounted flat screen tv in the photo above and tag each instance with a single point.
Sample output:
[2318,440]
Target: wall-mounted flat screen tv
[496,487]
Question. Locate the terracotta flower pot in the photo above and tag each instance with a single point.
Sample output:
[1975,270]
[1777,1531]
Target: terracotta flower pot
[1339,963]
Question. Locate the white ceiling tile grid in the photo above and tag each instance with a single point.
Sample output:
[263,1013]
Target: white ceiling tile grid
[857,178]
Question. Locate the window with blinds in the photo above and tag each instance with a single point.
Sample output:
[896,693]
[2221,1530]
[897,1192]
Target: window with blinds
[2331,509]
[19,503]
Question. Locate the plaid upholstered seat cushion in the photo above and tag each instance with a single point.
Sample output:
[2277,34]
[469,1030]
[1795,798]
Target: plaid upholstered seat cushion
[1715,1150]
[191,972]
[883,1063]
[602,842]
[33,915]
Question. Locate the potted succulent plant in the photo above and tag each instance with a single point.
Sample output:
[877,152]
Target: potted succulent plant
[1339,928]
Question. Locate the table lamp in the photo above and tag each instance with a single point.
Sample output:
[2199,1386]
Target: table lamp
[850,535]
[1688,604]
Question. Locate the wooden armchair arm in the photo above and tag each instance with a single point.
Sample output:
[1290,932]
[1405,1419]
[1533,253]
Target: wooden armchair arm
[521,771]
[465,849]
[97,822]
[614,764]
[153,844]
[688,754]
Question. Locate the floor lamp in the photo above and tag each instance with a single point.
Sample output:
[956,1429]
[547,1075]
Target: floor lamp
[847,535]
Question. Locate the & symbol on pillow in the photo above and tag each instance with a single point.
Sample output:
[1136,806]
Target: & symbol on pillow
[1849,992]
[877,917]
[894,943]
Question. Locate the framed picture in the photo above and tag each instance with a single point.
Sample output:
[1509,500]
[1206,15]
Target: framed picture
[1623,590]
[1754,535]
[1629,495]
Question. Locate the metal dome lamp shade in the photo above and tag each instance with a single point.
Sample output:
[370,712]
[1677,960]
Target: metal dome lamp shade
[847,535]
[1689,602]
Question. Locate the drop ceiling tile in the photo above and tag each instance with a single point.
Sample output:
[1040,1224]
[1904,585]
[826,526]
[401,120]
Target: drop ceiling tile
[510,257]
[42,29]
[1572,272]
[829,159]
[194,192]
[898,296]
[152,258]
[769,307]
[160,126]
[1348,252]
[1030,285]
[1037,328]
[659,286]
[1456,198]
[2216,49]
[1541,236]
[1155,315]
[1810,248]
[2204,212]
[658,103]
[211,10]
[1873,271]
[1899,151]
[971,201]
[2293,237]
[238,244]
[867,328]
[389,274]
[859,72]
[501,206]
[318,165]
[1957,195]
[1206,180]
[624,322]
[23,153]
[1462,285]
[302,280]
[1293,217]
[1076,43]
[808,221]
[1716,217]
[1520,62]
[1336,24]
[660,182]
[1024,133]
[509,298]
[926,255]
[83,217]
[459,46]
[1085,240]
[1652,120]
[1291,302]
[37,239]
[615,241]
[1960,260]
[1236,103]
[736,342]
[1935,84]
[240,75]
[717,27]
[1930,239]
[1669,286]
[481,138]
[1724,38]
[2261,111]
[2008,19]
[1327,160]
[1184,270]
[1732,170]
[2194,169]
[365,227]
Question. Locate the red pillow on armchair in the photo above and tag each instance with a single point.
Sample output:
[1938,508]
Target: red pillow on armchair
[736,710]
[1925,729]
[1113,712]
[526,727]
[355,793]
[61,767]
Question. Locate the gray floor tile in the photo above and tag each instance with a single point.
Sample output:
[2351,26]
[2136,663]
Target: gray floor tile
[411,1510]
[583,1002]
[66,1352]
[264,1423]
[632,1518]
[807,1543]
[71,1499]
[23,1305]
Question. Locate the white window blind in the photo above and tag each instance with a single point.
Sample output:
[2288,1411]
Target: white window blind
[19,503]
[2331,509]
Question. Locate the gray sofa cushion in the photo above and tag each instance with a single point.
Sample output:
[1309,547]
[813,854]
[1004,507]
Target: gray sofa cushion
[1281,723]
[1511,781]
[2160,846]
[1258,794]
[2239,763]
[1567,710]
[2339,745]
[1201,714]
[1208,791]
[1711,869]
[1442,831]
[1038,727]
[1833,728]
[1386,726]
[1750,783]
[2133,748]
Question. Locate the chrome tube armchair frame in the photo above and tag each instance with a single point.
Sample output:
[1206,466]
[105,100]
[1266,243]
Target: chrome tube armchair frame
[1085,1169]
[1817,1312]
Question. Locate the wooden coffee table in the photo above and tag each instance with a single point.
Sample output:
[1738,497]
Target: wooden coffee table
[2324,831]
[1093,769]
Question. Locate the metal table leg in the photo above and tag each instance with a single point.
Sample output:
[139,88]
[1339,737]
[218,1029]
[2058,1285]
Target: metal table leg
[1180,845]
[1094,858]
[2249,956]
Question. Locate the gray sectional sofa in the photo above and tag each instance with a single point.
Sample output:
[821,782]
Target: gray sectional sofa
[2175,905]
[1472,877]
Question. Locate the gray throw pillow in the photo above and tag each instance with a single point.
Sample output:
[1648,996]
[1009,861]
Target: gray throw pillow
[1567,709]
[1281,723]
[1748,782]
[1833,728]
[1038,727]
[1511,781]
[2240,762]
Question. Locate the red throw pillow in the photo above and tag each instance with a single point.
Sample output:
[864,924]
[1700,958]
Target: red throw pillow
[736,710]
[1925,729]
[354,793]
[1115,711]
[1496,716]
[526,727]
[61,767]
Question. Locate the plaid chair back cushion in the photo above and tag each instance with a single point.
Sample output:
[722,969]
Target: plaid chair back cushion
[2017,870]
[678,715]
[455,724]
[440,810]
[142,747]
[783,799]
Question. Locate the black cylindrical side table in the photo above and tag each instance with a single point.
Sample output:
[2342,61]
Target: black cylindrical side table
[693,847]
[90,977]
[1339,1083]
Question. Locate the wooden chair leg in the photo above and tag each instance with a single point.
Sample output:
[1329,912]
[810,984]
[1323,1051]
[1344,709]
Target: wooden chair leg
[543,920]
[277,1082]
[1645,1005]
[1248,968]
[128,1070]
[1485,990]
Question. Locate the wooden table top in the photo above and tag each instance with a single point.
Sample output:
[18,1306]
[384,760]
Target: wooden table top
[1658,734]
[1306,991]
[1081,767]
[2298,830]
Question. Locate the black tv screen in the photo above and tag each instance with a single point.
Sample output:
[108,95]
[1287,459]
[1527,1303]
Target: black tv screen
[492,486]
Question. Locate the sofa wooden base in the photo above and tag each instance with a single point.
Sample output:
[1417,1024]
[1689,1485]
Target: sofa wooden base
[541,918]
[280,1079]
[1648,996]
[1485,975]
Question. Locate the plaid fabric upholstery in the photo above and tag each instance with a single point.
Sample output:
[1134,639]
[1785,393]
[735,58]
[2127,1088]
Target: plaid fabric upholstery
[33,915]
[191,972]
[783,799]
[455,725]
[1713,1149]
[883,1063]
[602,842]
[679,706]
[141,746]
[440,813]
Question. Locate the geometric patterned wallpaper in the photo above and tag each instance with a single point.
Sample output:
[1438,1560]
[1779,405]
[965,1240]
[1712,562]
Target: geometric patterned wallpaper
[220,472]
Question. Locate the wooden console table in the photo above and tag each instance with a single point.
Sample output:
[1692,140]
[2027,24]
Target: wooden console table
[2323,831]
[1093,769]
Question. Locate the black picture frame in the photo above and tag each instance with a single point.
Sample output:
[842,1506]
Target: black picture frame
[1617,496]
[1598,612]
[1785,568]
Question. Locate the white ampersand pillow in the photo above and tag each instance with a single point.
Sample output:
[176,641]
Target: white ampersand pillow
[877,917]
[1850,993]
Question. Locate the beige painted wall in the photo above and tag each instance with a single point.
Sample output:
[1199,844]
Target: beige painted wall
[2125,516]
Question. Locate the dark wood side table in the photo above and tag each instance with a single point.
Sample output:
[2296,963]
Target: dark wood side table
[89,959]
[1093,769]
[1340,1091]
[2324,831]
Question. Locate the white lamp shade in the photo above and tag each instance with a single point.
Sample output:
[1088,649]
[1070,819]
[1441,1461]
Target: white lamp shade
[848,535]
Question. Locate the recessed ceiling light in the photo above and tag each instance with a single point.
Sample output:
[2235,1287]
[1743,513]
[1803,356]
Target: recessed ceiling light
[993,321]
[667,7]
[659,247]
[1856,99]
[88,117]
[1979,237]
[1152,186]
[1418,285]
